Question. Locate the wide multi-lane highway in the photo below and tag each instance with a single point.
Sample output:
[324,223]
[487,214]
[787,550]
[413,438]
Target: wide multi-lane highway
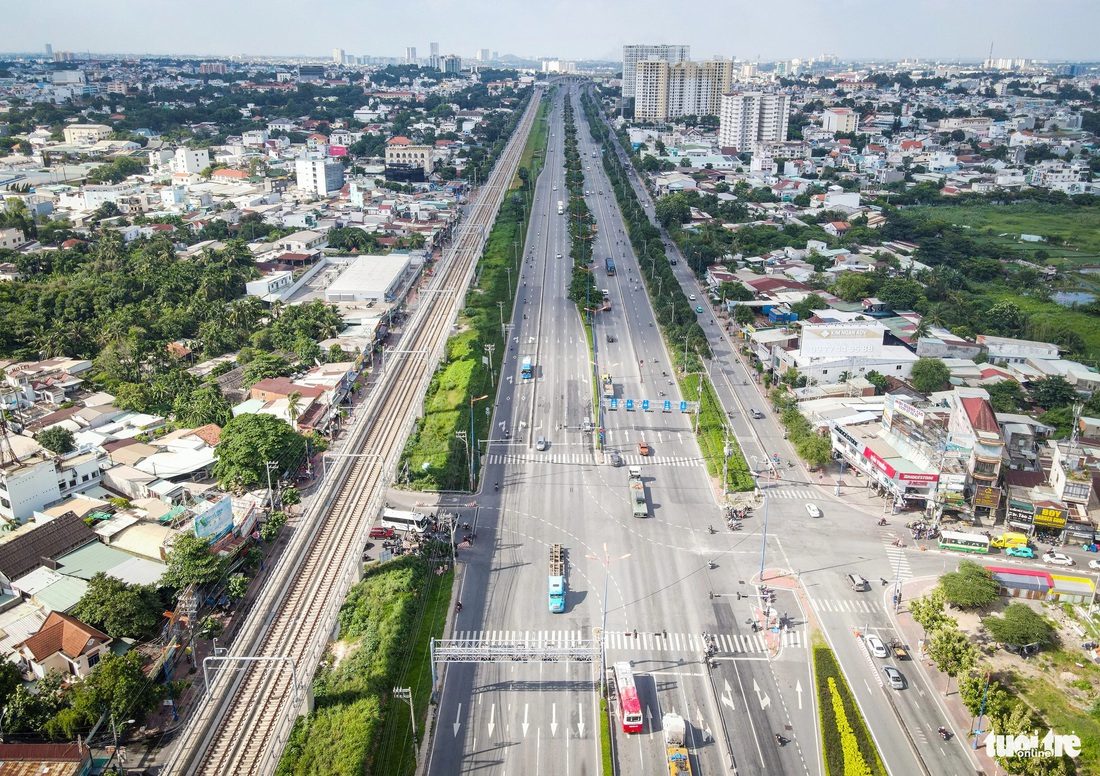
[259,689]
[662,591]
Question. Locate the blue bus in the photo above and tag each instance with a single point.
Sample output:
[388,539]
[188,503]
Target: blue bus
[610,265]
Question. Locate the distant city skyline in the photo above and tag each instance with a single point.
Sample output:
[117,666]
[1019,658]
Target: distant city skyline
[849,29]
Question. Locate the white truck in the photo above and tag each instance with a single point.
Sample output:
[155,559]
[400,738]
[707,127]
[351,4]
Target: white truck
[637,492]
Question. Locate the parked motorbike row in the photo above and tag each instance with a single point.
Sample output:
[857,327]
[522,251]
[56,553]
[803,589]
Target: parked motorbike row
[923,530]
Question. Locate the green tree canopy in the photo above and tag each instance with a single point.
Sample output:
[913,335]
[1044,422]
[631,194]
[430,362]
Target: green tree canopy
[57,440]
[248,442]
[264,366]
[970,587]
[1053,393]
[805,308]
[1005,396]
[120,609]
[928,611]
[203,405]
[1019,626]
[191,562]
[929,374]
[116,687]
[952,652]
[734,292]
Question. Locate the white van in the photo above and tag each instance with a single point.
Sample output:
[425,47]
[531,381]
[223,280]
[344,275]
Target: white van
[858,583]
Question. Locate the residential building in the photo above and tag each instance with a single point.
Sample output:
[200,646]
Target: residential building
[338,56]
[839,120]
[73,759]
[66,645]
[190,160]
[634,54]
[10,239]
[86,134]
[319,177]
[451,64]
[402,152]
[975,434]
[433,55]
[670,90]
[302,242]
[746,118]
[832,352]
[1005,350]
[410,55]
[35,545]
[37,478]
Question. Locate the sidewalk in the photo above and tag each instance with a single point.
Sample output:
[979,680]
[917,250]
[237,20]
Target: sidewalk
[959,721]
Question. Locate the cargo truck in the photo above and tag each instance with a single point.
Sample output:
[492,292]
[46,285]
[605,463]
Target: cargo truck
[526,368]
[676,753]
[637,492]
[608,387]
[556,580]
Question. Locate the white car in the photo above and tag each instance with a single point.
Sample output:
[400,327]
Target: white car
[1094,564]
[813,510]
[691,297]
[1058,559]
[876,647]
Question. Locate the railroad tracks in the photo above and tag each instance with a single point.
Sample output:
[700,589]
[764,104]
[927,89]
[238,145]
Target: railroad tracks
[254,698]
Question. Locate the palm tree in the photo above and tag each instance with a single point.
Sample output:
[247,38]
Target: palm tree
[922,330]
[294,406]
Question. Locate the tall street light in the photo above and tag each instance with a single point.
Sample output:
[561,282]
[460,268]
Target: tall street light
[606,560]
[473,461]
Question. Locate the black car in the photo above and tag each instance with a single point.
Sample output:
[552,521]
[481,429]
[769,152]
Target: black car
[610,337]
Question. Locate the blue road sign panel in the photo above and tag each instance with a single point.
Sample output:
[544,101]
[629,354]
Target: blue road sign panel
[629,405]
[667,406]
[683,406]
[614,404]
[645,405]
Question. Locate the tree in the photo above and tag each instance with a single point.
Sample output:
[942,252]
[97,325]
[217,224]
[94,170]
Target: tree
[1020,626]
[744,315]
[190,561]
[1004,319]
[929,374]
[203,405]
[815,450]
[1053,393]
[805,308]
[237,586]
[10,680]
[57,440]
[927,611]
[1005,396]
[952,652]
[877,380]
[294,406]
[734,292]
[270,530]
[970,586]
[116,687]
[248,442]
[120,609]
[264,366]
[291,496]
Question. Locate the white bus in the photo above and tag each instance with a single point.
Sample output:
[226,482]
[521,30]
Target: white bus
[400,520]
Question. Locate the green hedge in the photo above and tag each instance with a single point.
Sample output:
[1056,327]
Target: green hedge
[608,765]
[848,748]
[385,623]
[434,458]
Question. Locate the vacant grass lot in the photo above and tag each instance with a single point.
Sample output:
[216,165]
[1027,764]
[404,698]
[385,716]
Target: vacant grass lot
[1078,227]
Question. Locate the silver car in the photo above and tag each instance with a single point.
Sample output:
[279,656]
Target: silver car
[894,677]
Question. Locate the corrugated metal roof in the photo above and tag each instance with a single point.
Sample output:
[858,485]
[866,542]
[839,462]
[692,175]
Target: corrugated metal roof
[90,560]
[62,595]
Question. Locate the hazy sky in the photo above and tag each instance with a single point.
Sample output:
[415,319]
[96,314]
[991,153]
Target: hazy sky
[570,29]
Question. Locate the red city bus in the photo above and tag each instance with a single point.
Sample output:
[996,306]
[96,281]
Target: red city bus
[630,708]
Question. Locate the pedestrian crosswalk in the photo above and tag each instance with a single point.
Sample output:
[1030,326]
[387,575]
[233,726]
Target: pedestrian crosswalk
[803,494]
[589,459]
[899,562]
[645,641]
[858,605]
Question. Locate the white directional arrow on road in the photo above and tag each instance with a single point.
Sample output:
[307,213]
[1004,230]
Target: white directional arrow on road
[458,724]
[492,714]
[553,719]
[727,695]
[580,724]
[525,725]
[798,689]
[765,701]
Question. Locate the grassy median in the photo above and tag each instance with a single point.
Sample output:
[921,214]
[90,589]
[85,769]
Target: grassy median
[848,748]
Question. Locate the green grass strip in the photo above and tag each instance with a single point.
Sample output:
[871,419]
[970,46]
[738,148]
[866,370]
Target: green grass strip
[848,748]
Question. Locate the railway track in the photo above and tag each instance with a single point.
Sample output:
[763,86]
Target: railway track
[256,693]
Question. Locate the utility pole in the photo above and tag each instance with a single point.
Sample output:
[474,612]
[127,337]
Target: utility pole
[490,347]
[405,694]
[270,493]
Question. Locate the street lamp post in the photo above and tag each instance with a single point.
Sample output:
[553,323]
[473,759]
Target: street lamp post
[489,347]
[606,560]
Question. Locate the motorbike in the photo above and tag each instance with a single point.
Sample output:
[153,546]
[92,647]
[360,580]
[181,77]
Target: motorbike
[496,486]
[711,565]
[944,734]
[883,522]
[710,528]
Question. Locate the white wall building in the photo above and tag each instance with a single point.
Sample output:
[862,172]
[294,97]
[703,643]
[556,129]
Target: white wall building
[320,177]
[38,479]
[371,279]
[666,90]
[632,55]
[746,118]
[839,120]
[829,351]
[188,160]
[86,134]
